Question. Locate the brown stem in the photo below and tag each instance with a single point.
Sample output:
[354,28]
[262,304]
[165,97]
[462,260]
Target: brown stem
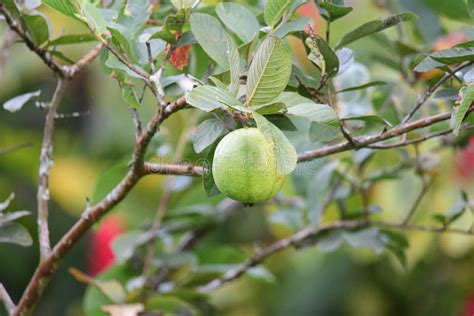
[46,162]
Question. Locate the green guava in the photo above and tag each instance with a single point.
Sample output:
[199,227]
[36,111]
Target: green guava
[245,167]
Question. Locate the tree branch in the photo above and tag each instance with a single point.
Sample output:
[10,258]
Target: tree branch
[42,53]
[312,235]
[431,90]
[6,299]
[92,214]
[46,162]
[369,140]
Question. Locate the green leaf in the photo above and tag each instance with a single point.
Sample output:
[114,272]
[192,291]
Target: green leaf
[134,15]
[124,245]
[15,104]
[374,27]
[239,20]
[285,153]
[14,233]
[72,39]
[60,55]
[206,133]
[177,21]
[38,27]
[163,34]
[427,64]
[66,7]
[207,178]
[183,4]
[269,72]
[274,10]
[332,12]
[374,119]
[363,86]
[271,108]
[129,95]
[209,98]
[470,8]
[454,9]
[460,112]
[320,132]
[292,26]
[234,63]
[93,17]
[282,122]
[454,55]
[320,48]
[212,37]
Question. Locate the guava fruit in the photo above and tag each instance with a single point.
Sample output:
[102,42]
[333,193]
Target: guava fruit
[245,167]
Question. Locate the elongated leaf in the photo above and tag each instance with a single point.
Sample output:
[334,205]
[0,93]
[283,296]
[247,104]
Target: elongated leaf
[460,112]
[427,64]
[212,37]
[374,27]
[234,64]
[93,17]
[15,104]
[315,112]
[66,7]
[320,47]
[72,39]
[274,10]
[454,55]
[134,15]
[239,20]
[285,153]
[368,119]
[454,9]
[292,26]
[209,98]
[282,122]
[332,12]
[363,86]
[269,72]
[38,26]
[15,233]
[206,133]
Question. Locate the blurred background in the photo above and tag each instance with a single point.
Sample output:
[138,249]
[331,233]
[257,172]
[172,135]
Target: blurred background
[91,154]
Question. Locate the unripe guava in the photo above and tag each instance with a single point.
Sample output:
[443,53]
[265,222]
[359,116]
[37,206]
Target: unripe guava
[245,167]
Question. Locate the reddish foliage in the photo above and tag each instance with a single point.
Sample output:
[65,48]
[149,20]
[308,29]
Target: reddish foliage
[180,57]
[465,163]
[100,255]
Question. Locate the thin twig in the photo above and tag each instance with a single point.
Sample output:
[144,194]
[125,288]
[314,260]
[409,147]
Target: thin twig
[6,299]
[42,53]
[137,122]
[46,162]
[431,90]
[10,149]
[404,143]
[426,184]
[370,140]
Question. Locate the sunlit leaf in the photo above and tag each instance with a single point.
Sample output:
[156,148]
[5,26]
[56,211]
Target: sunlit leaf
[269,72]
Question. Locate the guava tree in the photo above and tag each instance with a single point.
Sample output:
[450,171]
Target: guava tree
[262,116]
